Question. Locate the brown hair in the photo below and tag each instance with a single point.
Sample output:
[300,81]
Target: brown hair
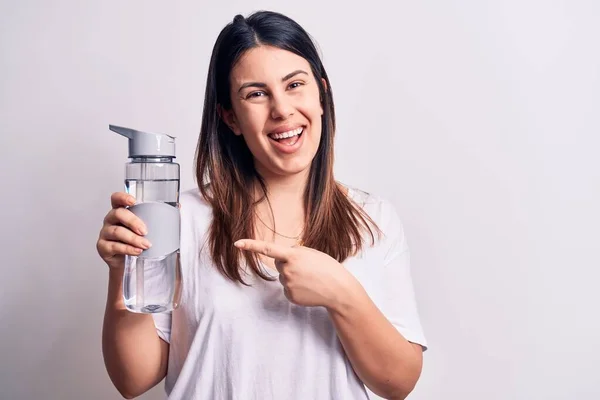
[224,165]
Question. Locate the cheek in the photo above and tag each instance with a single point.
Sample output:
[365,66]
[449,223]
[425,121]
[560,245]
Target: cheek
[251,126]
[252,120]
[310,106]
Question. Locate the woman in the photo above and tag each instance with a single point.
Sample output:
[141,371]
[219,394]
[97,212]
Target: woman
[295,286]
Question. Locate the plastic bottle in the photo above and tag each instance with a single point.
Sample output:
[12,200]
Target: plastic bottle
[152,280]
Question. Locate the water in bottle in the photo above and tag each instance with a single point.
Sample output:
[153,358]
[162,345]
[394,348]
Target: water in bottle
[152,280]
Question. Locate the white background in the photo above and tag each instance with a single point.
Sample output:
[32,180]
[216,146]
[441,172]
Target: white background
[479,119]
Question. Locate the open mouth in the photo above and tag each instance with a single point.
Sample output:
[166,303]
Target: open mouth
[288,138]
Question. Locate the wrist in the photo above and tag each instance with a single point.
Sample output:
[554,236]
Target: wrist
[115,288]
[346,294]
[115,275]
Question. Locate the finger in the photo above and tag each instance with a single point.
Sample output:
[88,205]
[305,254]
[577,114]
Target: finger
[287,294]
[279,265]
[122,216]
[108,248]
[271,250]
[118,233]
[121,199]
[282,279]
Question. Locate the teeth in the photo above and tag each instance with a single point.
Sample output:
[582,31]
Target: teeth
[287,134]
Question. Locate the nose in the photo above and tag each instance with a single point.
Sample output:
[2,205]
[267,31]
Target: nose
[281,107]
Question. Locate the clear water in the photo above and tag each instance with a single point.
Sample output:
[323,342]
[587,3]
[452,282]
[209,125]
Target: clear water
[163,190]
[153,285]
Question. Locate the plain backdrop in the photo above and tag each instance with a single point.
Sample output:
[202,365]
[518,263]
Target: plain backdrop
[479,119]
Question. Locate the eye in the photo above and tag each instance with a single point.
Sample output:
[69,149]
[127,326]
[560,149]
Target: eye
[259,93]
[295,85]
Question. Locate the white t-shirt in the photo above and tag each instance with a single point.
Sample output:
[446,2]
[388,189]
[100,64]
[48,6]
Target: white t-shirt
[229,341]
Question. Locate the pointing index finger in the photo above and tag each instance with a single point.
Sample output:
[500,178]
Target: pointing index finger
[271,250]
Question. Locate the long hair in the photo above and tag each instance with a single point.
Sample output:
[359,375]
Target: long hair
[225,170]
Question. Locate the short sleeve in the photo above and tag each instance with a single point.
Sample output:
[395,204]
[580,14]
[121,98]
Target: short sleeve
[162,322]
[397,298]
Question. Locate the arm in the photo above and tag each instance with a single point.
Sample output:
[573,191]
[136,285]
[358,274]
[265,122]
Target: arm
[380,328]
[382,358]
[368,324]
[134,355]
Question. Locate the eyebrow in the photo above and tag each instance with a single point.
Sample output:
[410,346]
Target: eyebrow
[263,85]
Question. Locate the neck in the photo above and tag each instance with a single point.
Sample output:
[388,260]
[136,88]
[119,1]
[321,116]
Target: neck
[289,189]
[284,211]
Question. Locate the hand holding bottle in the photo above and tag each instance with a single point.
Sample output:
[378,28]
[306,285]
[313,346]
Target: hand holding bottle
[122,232]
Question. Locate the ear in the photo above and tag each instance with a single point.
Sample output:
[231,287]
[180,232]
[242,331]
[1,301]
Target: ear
[325,87]
[228,116]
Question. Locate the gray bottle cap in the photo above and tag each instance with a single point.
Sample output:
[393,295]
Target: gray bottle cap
[144,144]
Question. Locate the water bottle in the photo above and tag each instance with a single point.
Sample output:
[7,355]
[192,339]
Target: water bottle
[152,280]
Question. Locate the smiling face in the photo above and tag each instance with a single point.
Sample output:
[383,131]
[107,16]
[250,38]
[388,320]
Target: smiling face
[276,108]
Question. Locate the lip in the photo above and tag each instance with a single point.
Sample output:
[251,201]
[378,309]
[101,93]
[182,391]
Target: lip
[286,128]
[285,149]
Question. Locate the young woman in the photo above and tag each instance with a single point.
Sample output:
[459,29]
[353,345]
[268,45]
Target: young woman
[295,285]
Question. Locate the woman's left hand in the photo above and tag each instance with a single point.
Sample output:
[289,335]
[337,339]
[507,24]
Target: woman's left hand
[309,277]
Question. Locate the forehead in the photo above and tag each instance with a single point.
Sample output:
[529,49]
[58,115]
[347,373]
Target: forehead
[266,64]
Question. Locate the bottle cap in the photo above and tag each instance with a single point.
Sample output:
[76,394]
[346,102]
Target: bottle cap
[144,144]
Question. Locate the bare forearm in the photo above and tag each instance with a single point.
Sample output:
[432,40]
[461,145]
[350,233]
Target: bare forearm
[134,355]
[385,361]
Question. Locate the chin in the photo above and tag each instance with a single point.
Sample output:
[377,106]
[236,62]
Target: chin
[291,167]
[294,169]
[292,164]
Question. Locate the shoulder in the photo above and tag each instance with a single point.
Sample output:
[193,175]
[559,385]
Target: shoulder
[194,206]
[192,196]
[391,239]
[379,208]
[196,216]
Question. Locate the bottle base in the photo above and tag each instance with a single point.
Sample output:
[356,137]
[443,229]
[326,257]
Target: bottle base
[150,309]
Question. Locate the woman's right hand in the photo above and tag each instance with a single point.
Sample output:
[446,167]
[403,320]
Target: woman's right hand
[122,233]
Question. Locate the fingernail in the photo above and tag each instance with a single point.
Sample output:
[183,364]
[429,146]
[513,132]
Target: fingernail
[146,244]
[143,230]
[240,244]
[131,200]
